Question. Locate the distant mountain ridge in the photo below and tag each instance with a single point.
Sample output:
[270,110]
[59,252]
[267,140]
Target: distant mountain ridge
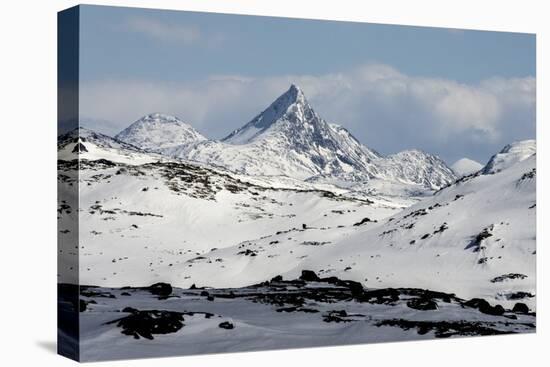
[289,139]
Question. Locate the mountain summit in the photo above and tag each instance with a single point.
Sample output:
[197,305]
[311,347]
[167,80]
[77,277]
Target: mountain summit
[466,166]
[291,106]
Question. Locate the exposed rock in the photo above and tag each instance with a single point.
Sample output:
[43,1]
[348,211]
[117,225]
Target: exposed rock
[476,242]
[445,329]
[520,308]
[363,221]
[146,323]
[226,325]
[277,278]
[508,276]
[484,307]
[422,304]
[161,289]
[309,276]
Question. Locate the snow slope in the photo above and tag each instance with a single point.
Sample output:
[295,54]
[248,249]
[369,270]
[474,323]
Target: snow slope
[465,166]
[141,222]
[509,155]
[475,238]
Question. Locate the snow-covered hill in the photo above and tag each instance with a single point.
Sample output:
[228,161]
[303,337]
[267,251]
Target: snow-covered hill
[466,166]
[83,143]
[160,133]
[509,155]
[152,221]
[145,219]
[474,238]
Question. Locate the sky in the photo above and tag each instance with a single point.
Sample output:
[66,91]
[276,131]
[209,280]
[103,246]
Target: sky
[453,93]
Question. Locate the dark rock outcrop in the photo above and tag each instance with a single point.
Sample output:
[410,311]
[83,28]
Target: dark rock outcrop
[161,289]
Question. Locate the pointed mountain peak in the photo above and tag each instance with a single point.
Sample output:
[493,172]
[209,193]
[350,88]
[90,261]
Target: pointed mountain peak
[295,91]
[291,106]
[294,95]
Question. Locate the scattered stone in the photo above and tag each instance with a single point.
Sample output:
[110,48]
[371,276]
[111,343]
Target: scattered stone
[146,323]
[277,278]
[363,221]
[484,307]
[247,252]
[519,295]
[441,228]
[226,325]
[445,329]
[380,296]
[508,276]
[422,304]
[476,242]
[309,276]
[161,289]
[336,316]
[520,308]
[314,243]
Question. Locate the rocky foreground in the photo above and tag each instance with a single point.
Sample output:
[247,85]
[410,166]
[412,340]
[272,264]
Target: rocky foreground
[304,312]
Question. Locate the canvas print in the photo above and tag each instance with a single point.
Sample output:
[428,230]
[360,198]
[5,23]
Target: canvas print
[235,183]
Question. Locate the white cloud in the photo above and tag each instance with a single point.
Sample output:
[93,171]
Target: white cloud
[383,107]
[164,31]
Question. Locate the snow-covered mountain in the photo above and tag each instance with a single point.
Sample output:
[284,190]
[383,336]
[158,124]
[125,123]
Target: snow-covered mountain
[416,167]
[290,139]
[466,166]
[160,133]
[509,155]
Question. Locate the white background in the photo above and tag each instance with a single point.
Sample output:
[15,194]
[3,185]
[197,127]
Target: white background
[28,180]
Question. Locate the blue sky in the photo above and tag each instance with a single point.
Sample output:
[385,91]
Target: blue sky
[453,93]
